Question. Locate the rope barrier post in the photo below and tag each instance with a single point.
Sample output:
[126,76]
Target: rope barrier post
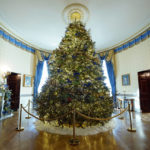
[74,141]
[28,117]
[19,128]
[121,117]
[131,129]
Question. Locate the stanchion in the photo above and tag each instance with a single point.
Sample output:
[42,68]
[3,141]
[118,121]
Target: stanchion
[131,129]
[74,141]
[19,128]
[28,117]
[121,117]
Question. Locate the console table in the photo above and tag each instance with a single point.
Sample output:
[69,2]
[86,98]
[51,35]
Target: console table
[123,103]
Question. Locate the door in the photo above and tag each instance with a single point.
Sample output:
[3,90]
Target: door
[144,88]
[13,81]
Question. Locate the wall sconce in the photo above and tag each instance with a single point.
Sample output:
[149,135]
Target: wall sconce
[5,72]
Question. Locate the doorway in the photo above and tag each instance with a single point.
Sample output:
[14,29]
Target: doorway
[144,89]
[13,81]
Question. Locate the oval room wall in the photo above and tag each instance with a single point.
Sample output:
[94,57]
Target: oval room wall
[132,61]
[19,61]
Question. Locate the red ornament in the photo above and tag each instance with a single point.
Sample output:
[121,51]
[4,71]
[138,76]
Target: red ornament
[69,99]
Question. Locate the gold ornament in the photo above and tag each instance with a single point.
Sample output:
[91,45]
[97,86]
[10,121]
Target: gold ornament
[55,93]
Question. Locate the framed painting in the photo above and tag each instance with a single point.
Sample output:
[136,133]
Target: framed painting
[27,81]
[126,79]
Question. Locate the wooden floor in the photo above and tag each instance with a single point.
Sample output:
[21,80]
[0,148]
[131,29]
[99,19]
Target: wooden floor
[117,139]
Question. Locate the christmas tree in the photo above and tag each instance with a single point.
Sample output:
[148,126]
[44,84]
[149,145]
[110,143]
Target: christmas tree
[76,81]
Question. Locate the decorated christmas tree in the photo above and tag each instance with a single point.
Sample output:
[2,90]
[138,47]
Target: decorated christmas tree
[76,81]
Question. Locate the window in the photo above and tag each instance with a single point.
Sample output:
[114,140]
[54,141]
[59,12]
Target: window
[107,82]
[44,77]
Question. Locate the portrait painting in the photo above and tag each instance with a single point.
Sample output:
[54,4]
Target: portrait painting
[126,79]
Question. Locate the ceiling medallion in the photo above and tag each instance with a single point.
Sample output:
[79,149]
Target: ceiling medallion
[76,12]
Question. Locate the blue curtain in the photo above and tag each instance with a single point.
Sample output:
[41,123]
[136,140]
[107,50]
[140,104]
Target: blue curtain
[47,59]
[110,70]
[38,74]
[37,78]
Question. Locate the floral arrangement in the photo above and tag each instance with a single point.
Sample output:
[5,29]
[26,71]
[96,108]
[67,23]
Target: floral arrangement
[4,89]
[7,97]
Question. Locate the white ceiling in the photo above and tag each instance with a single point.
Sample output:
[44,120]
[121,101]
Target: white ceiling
[40,22]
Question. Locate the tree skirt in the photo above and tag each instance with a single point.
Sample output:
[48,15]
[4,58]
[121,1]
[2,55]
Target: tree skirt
[145,116]
[51,128]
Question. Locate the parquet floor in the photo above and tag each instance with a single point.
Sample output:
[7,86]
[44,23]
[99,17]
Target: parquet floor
[117,139]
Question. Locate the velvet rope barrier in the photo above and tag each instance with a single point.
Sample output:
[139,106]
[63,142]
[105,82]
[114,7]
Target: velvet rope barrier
[101,119]
[46,119]
[74,140]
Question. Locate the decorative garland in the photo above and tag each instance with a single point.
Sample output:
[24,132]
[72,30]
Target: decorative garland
[128,44]
[134,41]
[16,42]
